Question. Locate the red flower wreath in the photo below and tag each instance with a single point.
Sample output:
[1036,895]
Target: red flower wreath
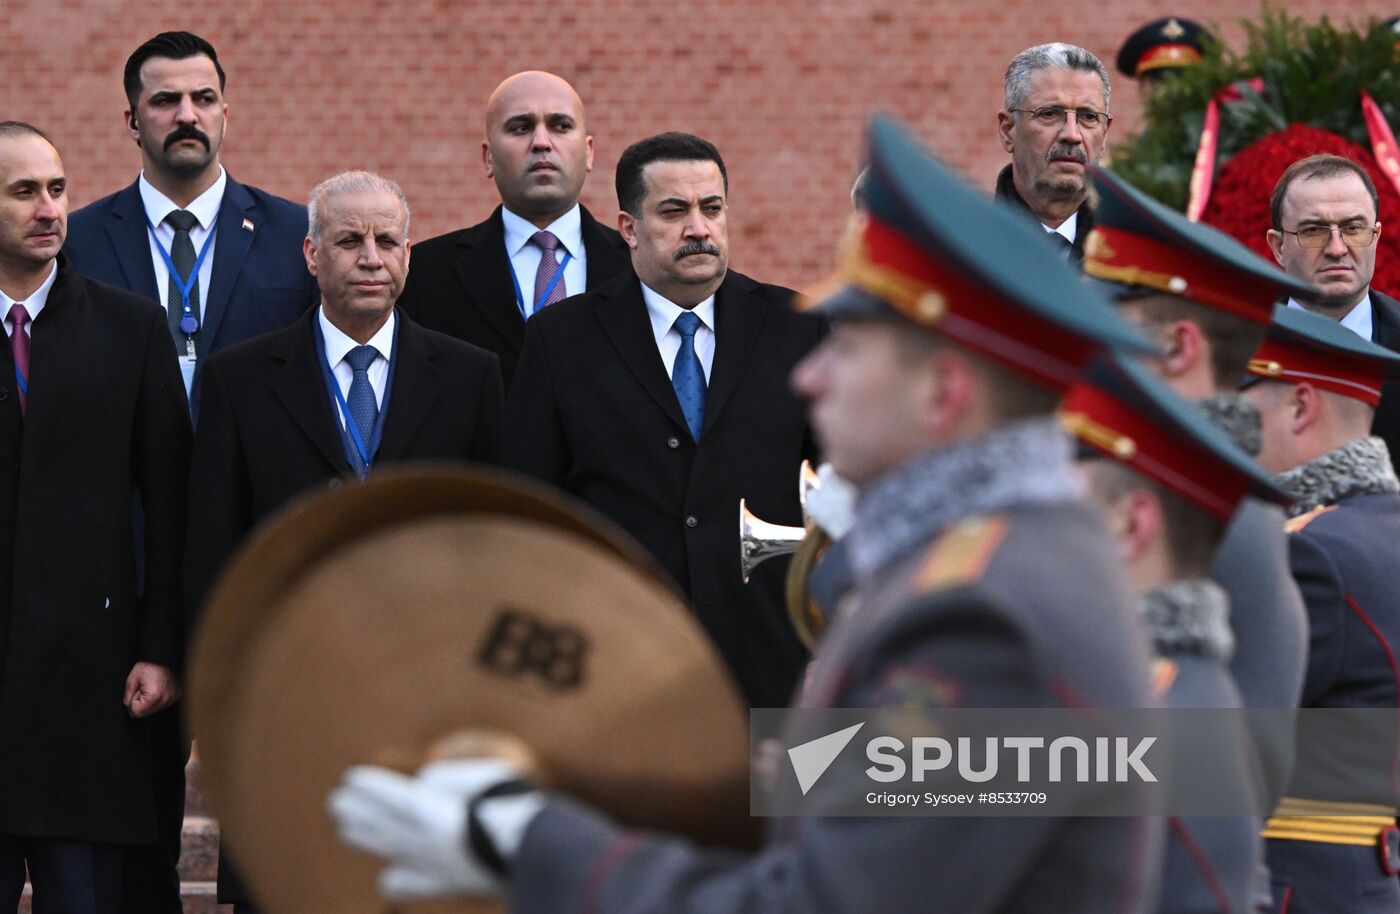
[1239,200]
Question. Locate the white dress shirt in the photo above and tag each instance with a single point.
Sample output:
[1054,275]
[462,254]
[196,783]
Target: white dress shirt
[525,257]
[205,209]
[1357,320]
[1069,229]
[663,313]
[338,345]
[33,304]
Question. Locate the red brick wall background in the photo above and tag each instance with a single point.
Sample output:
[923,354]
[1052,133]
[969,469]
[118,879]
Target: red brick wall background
[781,87]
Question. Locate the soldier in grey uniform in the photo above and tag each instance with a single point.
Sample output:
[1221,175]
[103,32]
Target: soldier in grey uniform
[1317,387]
[983,580]
[1208,301]
[1168,482]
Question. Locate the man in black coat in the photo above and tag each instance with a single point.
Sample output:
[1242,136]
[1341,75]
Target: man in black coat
[664,427]
[1055,126]
[93,417]
[1326,219]
[351,386]
[482,283]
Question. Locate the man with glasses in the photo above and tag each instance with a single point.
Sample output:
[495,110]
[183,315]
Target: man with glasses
[1054,125]
[1325,214]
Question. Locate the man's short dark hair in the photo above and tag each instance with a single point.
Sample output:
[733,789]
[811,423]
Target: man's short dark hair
[1233,339]
[20,128]
[175,46]
[664,147]
[1315,168]
[1192,533]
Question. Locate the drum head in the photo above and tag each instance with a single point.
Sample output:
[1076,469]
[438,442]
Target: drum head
[365,625]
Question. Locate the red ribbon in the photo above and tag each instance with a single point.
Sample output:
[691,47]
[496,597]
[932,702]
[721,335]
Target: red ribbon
[1382,139]
[1203,173]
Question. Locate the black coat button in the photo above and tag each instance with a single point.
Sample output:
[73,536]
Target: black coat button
[335,483]
[673,442]
[692,521]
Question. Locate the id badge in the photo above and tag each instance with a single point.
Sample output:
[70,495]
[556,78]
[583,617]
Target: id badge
[187,372]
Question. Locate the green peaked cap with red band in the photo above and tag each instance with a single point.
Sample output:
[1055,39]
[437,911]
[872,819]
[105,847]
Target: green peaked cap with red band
[1139,243]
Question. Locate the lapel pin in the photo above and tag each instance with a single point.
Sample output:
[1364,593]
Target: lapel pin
[247,225]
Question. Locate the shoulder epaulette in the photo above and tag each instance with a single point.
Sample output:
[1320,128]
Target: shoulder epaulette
[1295,524]
[961,554]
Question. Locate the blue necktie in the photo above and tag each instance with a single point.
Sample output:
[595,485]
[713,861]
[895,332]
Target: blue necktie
[688,376]
[363,408]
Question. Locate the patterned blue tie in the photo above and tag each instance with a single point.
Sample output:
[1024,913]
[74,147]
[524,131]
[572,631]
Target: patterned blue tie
[688,376]
[363,408]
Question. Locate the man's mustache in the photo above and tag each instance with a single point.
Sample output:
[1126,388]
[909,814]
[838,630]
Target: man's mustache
[696,247]
[186,132]
[1068,151]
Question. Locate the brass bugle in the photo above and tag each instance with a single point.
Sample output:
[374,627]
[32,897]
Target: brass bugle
[759,540]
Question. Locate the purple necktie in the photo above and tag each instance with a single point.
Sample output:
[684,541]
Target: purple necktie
[19,347]
[549,267]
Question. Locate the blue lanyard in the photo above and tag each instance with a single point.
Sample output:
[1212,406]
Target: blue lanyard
[366,449]
[20,379]
[544,296]
[189,323]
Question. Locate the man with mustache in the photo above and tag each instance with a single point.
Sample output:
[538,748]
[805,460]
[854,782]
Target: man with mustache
[482,283]
[1326,222]
[224,259]
[1054,125]
[661,399]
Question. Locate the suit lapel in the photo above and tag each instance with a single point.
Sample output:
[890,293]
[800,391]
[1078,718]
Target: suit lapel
[417,388]
[738,317]
[605,257]
[301,387]
[484,271]
[230,248]
[623,314]
[127,231]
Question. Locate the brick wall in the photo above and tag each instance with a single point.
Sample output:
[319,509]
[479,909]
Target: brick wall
[782,87]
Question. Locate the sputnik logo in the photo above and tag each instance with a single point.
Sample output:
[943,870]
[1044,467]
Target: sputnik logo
[811,759]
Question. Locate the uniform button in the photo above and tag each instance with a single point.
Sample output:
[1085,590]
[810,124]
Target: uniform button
[673,442]
[691,520]
[335,483]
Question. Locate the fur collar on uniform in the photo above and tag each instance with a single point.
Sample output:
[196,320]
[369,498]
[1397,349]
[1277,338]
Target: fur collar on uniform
[1189,617]
[1021,463]
[1236,417]
[1360,467]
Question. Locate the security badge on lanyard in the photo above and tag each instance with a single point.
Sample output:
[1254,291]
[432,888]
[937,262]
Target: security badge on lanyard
[189,321]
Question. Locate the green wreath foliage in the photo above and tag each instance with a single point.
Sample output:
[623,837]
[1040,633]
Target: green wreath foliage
[1312,74]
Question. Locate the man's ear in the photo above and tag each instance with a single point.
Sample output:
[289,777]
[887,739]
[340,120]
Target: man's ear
[486,159]
[1006,122]
[308,250]
[1275,238]
[627,226]
[1143,520]
[1304,406]
[1185,346]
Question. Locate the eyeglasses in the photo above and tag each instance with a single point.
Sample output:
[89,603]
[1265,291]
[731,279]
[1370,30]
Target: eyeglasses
[1055,116]
[1354,234]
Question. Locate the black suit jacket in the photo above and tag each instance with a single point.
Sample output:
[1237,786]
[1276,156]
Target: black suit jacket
[107,424]
[593,412]
[258,281]
[460,284]
[1385,331]
[270,432]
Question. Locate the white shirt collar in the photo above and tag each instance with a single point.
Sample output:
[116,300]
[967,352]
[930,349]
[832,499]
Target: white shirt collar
[34,303]
[1358,320]
[205,207]
[1069,228]
[338,344]
[568,228]
[663,312]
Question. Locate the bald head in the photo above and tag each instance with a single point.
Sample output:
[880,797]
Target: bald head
[537,147]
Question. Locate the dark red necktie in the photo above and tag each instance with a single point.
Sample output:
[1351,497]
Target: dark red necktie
[19,347]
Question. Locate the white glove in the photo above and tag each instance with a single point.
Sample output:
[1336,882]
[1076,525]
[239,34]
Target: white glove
[832,504]
[420,824]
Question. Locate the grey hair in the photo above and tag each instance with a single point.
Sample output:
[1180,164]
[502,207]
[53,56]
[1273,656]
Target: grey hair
[349,182]
[1056,55]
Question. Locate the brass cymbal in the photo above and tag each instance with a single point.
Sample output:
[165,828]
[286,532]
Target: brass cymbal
[363,625]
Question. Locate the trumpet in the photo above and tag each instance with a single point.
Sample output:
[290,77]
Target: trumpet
[759,540]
